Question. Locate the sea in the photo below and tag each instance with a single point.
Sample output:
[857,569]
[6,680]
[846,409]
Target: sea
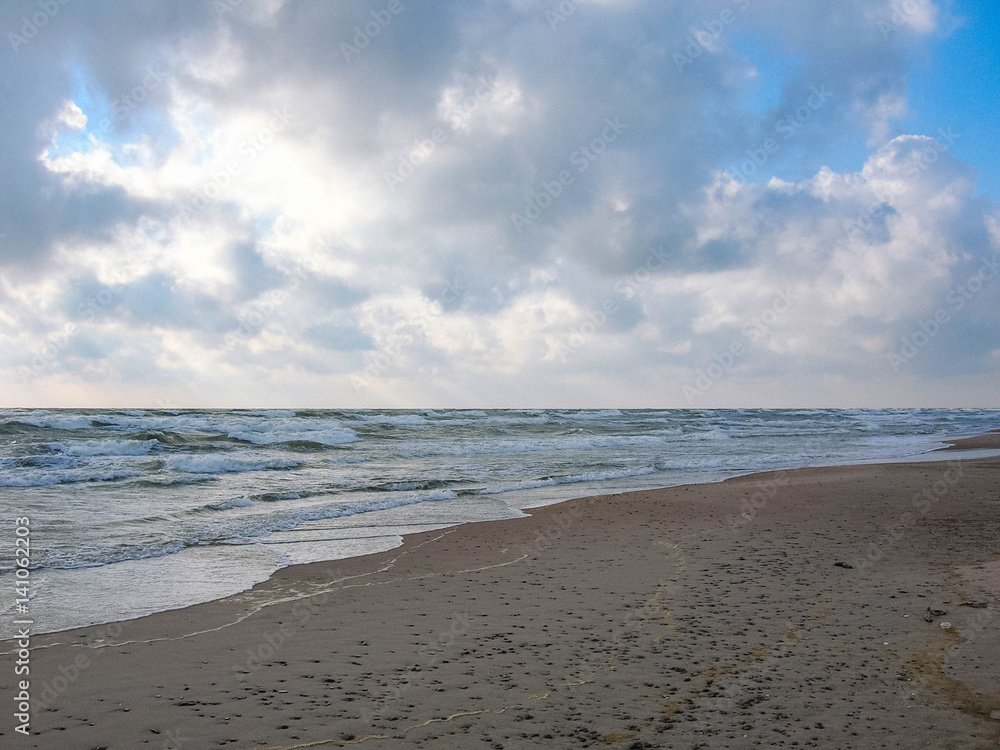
[137,511]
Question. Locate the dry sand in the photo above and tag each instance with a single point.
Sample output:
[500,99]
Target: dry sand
[710,616]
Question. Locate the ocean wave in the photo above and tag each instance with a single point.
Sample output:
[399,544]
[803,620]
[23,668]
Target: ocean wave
[45,461]
[104,447]
[236,502]
[42,420]
[710,434]
[396,419]
[576,442]
[221,464]
[321,436]
[411,486]
[589,415]
[473,417]
[268,413]
[248,529]
[50,478]
[74,559]
[590,476]
[516,421]
[196,441]
[304,446]
[283,521]
[170,480]
[454,413]
[274,497]
[259,428]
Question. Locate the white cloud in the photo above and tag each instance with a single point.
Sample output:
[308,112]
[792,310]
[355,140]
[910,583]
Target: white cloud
[72,117]
[243,238]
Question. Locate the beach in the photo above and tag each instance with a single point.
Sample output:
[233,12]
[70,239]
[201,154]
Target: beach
[851,607]
[500,374]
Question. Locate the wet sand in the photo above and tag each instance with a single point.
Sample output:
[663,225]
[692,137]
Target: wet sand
[851,607]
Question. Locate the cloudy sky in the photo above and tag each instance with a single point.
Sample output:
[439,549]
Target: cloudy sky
[499,203]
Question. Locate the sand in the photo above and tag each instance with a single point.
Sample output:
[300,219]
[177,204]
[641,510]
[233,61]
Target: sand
[851,607]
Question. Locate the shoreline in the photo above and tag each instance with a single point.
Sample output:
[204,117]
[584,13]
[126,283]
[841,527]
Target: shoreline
[988,441]
[424,598]
[236,525]
[976,447]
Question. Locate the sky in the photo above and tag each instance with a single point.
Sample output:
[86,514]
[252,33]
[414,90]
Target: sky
[499,203]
